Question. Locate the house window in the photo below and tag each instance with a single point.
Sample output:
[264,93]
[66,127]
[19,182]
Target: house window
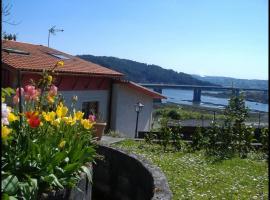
[15,51]
[60,56]
[90,108]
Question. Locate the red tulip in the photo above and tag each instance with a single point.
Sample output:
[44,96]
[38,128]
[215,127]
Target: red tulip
[31,114]
[34,122]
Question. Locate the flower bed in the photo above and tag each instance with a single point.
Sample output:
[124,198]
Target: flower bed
[45,145]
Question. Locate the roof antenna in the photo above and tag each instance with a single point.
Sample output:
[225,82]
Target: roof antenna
[52,31]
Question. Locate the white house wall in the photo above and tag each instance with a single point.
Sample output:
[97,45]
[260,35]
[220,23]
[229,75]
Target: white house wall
[123,112]
[101,96]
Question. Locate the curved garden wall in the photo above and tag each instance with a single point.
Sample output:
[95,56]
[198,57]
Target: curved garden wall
[121,175]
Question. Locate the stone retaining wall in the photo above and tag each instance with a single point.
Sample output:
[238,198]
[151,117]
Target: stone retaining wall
[124,176]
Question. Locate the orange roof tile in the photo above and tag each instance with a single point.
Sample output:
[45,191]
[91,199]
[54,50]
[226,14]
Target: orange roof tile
[40,58]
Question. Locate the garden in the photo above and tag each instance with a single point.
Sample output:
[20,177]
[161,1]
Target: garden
[191,175]
[220,162]
[46,145]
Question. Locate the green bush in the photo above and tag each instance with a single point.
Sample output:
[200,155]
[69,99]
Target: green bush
[198,139]
[265,140]
[234,137]
[173,114]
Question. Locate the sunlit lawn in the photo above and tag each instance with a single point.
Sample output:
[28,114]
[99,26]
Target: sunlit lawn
[192,176]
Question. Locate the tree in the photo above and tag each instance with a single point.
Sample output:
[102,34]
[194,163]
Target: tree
[238,134]
[234,137]
[6,12]
[6,19]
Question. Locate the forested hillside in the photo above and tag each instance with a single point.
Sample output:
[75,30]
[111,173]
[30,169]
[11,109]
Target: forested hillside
[228,81]
[144,73]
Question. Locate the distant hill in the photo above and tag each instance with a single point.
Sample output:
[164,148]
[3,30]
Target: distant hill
[241,83]
[144,73]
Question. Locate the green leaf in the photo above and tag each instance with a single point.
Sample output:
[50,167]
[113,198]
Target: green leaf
[29,189]
[5,196]
[10,185]
[12,198]
[53,180]
[70,168]
[7,91]
[87,172]
[59,157]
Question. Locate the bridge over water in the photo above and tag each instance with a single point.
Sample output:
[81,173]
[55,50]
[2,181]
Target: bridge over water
[197,89]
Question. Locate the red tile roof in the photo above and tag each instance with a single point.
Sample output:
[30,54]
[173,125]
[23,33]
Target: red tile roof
[39,58]
[146,91]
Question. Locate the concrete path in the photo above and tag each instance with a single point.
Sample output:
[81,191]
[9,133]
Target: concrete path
[107,140]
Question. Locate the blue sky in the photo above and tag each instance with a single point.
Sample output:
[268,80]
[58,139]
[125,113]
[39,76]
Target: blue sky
[205,37]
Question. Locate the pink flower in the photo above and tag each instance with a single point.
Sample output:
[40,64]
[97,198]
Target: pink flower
[16,99]
[30,93]
[36,95]
[92,118]
[29,90]
[53,90]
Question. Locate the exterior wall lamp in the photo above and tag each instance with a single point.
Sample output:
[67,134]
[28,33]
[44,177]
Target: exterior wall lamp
[138,107]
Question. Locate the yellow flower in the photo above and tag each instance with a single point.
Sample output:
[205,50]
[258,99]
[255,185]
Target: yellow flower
[56,122]
[62,144]
[50,99]
[79,115]
[86,123]
[50,116]
[69,120]
[61,110]
[49,79]
[12,117]
[60,64]
[5,132]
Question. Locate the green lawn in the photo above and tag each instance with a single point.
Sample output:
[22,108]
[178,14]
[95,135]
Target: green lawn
[192,176]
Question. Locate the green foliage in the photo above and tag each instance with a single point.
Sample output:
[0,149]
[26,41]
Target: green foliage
[234,137]
[9,36]
[165,133]
[215,142]
[173,114]
[177,113]
[198,139]
[37,155]
[240,136]
[265,140]
[149,137]
[238,83]
[6,92]
[192,176]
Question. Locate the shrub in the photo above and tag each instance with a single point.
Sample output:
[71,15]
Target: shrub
[165,133]
[265,140]
[173,114]
[234,136]
[198,139]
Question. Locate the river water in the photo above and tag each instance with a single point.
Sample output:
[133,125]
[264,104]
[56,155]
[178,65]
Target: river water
[185,97]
